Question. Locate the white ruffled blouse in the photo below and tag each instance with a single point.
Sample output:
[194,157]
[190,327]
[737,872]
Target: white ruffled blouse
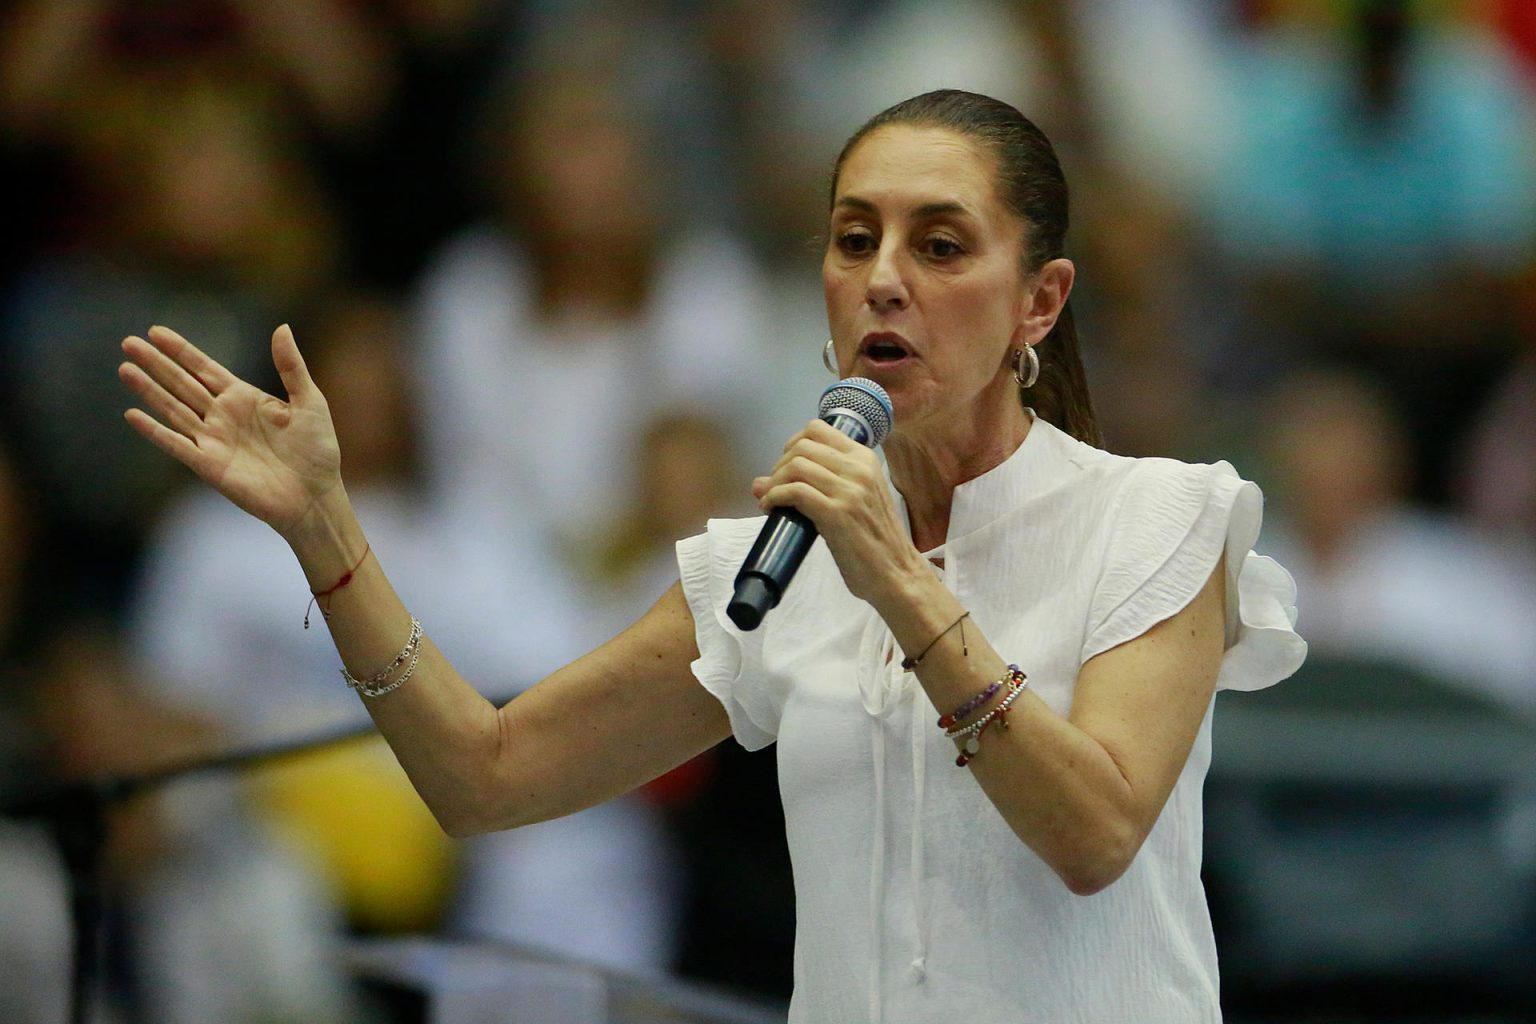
[915,901]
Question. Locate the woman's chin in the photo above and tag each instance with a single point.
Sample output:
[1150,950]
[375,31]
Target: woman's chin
[882,371]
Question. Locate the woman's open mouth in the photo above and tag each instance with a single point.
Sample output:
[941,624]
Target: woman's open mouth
[884,349]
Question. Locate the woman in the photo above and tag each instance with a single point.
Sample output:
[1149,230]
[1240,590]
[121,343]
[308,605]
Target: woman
[1126,589]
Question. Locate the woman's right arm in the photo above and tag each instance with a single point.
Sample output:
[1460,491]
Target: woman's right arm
[608,722]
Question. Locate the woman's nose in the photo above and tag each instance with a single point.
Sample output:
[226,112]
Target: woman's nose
[887,286]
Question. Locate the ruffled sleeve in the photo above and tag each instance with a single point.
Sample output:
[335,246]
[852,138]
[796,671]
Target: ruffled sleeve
[1170,525]
[730,661]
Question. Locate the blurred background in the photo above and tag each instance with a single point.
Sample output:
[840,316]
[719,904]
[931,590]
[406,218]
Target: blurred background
[556,266]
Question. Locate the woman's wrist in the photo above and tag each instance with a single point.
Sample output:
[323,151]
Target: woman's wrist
[916,605]
[327,539]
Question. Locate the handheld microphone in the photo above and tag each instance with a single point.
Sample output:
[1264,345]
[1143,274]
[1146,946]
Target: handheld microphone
[857,407]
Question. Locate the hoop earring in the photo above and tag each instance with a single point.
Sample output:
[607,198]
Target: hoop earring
[826,358]
[1026,379]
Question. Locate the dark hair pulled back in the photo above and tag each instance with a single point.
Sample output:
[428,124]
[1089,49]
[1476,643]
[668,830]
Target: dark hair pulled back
[1031,184]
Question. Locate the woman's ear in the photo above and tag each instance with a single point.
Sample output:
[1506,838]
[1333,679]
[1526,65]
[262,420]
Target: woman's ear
[1049,289]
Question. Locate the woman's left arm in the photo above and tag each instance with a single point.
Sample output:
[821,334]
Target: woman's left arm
[1081,790]
[1084,790]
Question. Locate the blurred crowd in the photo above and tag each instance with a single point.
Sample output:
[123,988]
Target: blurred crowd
[555,265]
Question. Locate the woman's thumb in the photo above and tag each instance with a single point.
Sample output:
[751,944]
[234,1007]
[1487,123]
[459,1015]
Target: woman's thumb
[290,365]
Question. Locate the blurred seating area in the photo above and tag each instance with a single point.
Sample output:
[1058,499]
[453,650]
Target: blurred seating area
[556,267]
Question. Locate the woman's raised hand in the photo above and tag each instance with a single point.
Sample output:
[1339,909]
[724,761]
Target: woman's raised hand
[276,460]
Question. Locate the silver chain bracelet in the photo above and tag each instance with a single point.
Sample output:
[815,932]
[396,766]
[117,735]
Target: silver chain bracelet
[375,685]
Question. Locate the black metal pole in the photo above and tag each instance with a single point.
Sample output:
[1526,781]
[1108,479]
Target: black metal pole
[79,827]
[76,816]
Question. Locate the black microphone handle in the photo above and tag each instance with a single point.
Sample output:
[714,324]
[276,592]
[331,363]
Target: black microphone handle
[778,551]
[780,547]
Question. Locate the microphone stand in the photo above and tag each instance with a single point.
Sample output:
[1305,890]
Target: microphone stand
[76,817]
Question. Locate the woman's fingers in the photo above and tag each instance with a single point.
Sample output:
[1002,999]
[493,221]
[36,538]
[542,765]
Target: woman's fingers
[193,360]
[824,458]
[804,448]
[178,446]
[851,462]
[168,376]
[805,483]
[167,407]
[824,432]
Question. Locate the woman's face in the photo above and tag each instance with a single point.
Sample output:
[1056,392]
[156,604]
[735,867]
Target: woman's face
[925,293]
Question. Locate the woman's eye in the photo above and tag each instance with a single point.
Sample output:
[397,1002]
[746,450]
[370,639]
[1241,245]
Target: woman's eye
[855,243]
[941,248]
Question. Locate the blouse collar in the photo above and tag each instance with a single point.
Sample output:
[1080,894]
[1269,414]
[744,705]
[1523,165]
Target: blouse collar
[1036,466]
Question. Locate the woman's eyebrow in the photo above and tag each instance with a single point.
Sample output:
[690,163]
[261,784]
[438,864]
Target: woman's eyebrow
[943,209]
[934,209]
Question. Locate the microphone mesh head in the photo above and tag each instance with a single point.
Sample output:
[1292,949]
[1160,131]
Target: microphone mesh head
[863,396]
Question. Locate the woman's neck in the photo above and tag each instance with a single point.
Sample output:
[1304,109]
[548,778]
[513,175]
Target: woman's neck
[926,468]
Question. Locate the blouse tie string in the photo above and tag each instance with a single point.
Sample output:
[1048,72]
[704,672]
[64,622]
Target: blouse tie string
[921,708]
[920,713]
[876,868]
[881,689]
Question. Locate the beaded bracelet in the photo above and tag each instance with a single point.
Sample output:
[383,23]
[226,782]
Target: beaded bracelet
[1016,680]
[374,686]
[971,705]
[972,733]
[973,745]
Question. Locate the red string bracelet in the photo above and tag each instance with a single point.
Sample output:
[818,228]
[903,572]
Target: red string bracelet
[346,578]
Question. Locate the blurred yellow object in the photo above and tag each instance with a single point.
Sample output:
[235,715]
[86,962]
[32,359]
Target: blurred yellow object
[353,811]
